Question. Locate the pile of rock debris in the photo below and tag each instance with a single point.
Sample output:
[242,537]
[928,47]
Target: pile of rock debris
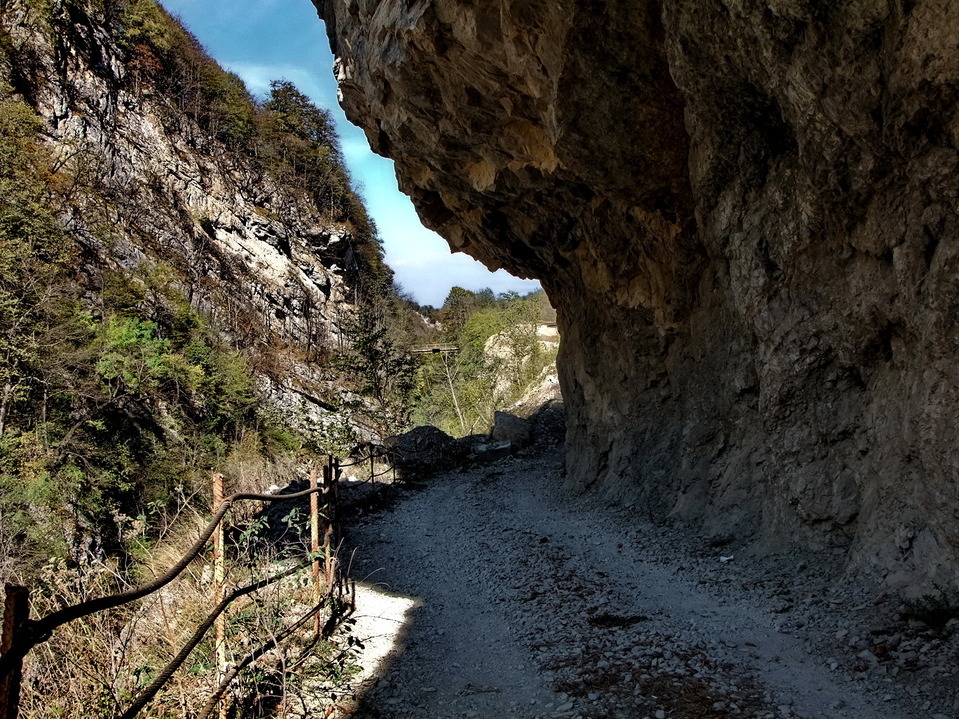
[424,451]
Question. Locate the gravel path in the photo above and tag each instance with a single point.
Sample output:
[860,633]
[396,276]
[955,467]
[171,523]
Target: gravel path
[516,599]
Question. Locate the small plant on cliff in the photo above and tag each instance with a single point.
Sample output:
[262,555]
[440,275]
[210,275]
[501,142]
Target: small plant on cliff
[935,608]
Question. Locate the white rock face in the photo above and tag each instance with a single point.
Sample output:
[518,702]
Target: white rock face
[245,250]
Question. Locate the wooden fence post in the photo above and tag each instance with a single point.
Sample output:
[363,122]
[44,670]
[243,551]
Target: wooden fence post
[219,576]
[16,611]
[315,545]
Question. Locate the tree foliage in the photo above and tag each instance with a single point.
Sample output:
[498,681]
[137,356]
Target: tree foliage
[498,356]
[379,365]
[106,404]
[115,394]
[299,143]
[287,134]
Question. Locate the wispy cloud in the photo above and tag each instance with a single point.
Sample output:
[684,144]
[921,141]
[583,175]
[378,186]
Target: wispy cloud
[258,77]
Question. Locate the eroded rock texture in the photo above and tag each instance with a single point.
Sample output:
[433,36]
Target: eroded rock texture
[745,214]
[157,193]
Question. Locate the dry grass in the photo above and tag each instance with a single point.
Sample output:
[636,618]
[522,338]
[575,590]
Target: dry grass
[95,666]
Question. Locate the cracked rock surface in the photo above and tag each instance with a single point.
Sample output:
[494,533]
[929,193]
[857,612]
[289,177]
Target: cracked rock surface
[533,602]
[744,212]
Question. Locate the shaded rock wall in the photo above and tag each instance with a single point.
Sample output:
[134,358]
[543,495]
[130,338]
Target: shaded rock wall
[744,212]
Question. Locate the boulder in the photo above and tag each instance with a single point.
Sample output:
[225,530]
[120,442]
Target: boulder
[426,450]
[548,424]
[491,451]
[510,428]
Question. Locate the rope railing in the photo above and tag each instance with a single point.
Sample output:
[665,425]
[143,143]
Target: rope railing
[144,697]
[21,634]
[358,462]
[37,631]
[390,455]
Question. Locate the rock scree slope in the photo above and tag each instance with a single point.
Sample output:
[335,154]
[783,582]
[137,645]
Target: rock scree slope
[744,212]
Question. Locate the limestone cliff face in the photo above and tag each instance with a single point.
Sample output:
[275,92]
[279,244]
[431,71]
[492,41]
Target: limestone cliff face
[154,189]
[745,214]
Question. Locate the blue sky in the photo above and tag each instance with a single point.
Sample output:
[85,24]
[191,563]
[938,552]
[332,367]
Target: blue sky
[264,40]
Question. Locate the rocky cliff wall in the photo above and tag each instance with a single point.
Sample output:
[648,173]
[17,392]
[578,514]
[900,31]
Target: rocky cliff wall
[152,189]
[744,212]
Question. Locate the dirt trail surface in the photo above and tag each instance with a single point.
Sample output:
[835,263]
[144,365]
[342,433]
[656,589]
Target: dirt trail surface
[512,598]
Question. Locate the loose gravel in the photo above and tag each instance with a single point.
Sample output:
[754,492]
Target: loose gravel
[517,598]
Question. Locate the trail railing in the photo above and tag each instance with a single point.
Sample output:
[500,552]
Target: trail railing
[389,454]
[21,634]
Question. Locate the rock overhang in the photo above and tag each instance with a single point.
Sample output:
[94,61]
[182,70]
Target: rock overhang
[744,213]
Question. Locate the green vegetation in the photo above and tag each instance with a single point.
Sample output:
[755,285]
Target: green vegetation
[287,135]
[299,145]
[131,411]
[498,357]
[935,608]
[116,396]
[380,367]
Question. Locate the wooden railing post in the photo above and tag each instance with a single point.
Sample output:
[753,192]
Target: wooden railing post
[315,545]
[219,576]
[16,612]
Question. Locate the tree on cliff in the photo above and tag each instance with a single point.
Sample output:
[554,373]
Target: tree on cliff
[380,366]
[299,143]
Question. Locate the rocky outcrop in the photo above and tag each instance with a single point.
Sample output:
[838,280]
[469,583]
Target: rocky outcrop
[744,212]
[510,428]
[157,195]
[424,451]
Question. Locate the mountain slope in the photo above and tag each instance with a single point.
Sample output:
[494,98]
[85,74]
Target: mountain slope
[177,263]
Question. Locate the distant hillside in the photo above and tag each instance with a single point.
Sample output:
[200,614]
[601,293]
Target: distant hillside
[497,358]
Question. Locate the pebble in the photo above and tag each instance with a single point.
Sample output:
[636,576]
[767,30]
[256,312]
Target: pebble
[553,610]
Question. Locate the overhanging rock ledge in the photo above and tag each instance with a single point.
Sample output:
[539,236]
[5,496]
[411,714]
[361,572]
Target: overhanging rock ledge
[745,214]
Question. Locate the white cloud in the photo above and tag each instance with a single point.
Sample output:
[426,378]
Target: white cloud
[258,77]
[430,275]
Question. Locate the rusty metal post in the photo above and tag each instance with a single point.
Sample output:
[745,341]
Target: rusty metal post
[332,511]
[315,545]
[337,476]
[16,612]
[219,576]
[327,524]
